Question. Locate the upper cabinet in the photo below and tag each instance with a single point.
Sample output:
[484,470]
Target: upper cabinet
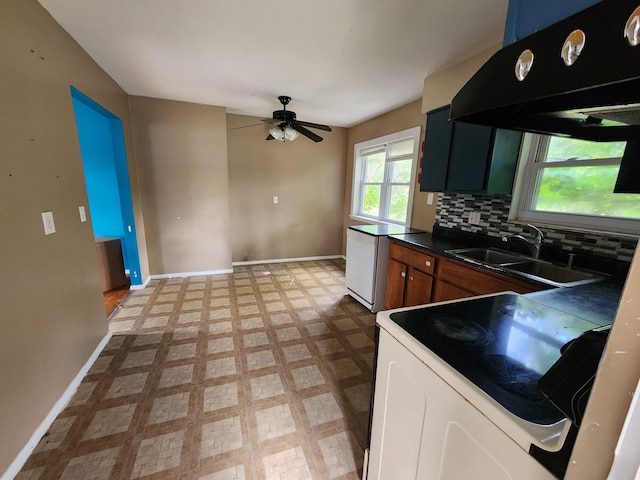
[525,17]
[465,158]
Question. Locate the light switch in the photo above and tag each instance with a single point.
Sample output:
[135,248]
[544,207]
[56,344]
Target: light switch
[49,224]
[83,213]
[275,200]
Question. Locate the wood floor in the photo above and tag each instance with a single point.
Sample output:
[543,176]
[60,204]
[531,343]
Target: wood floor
[114,297]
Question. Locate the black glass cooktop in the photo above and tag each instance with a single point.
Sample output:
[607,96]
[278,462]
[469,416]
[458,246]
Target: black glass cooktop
[503,344]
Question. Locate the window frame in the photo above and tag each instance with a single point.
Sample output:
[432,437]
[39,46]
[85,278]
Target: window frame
[357,193]
[529,163]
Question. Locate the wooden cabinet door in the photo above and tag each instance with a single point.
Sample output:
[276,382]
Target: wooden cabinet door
[418,288]
[443,291]
[396,276]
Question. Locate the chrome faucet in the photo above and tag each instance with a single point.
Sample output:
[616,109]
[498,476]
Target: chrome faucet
[537,244]
[535,247]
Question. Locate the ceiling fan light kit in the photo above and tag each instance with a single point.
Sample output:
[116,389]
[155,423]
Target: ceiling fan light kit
[290,127]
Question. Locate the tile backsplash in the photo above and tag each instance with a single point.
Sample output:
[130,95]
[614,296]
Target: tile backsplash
[453,212]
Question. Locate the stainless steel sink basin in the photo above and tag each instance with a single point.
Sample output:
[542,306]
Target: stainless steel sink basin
[491,256]
[528,267]
[555,274]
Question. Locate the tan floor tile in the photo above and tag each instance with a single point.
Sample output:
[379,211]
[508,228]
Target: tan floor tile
[220,396]
[139,359]
[127,385]
[280,319]
[167,297]
[328,346]
[158,454]
[287,334]
[316,329]
[307,377]
[220,437]
[256,339]
[30,474]
[341,454]
[220,345]
[194,294]
[174,376]
[220,314]
[191,305]
[308,315]
[101,364]
[162,308]
[321,409]
[246,299]
[289,464]
[114,343]
[180,352]
[97,465]
[217,328]
[261,359]
[109,421]
[275,306]
[344,368]
[266,386]
[295,353]
[221,367]
[219,302]
[185,333]
[274,422]
[251,323]
[121,326]
[169,408]
[344,324]
[83,393]
[190,317]
[147,339]
[55,435]
[359,396]
[248,310]
[359,340]
[232,473]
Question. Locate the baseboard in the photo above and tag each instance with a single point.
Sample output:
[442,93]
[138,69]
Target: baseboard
[44,426]
[190,274]
[140,287]
[285,260]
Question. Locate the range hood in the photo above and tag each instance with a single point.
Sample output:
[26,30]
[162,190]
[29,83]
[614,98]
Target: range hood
[579,78]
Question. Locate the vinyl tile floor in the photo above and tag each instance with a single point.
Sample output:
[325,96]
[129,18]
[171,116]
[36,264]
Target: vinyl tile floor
[260,374]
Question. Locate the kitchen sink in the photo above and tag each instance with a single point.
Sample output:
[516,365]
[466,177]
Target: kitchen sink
[491,256]
[555,274]
[525,266]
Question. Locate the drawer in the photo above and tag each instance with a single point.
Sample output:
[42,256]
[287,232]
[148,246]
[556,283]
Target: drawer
[414,258]
[478,282]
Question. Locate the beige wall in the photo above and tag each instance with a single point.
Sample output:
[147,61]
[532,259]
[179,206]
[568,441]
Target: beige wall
[181,150]
[307,177]
[52,311]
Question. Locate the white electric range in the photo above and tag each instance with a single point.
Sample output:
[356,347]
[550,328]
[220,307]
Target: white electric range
[456,392]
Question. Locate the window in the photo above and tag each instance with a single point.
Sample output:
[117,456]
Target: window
[384,176]
[569,183]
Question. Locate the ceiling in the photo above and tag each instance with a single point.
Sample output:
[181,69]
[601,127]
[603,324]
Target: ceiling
[341,61]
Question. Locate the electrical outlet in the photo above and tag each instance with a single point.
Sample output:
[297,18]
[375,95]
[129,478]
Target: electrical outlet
[474,218]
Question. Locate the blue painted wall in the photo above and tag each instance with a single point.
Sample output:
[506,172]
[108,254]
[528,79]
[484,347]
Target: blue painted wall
[525,17]
[94,132]
[107,178]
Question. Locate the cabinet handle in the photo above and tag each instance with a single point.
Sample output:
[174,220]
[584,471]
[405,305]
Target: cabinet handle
[428,263]
[403,274]
[410,278]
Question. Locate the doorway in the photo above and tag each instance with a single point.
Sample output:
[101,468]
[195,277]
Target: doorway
[107,178]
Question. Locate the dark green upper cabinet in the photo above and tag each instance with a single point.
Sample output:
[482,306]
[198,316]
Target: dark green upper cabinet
[465,158]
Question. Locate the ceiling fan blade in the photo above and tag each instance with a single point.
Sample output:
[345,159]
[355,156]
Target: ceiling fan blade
[270,120]
[306,133]
[314,125]
[247,126]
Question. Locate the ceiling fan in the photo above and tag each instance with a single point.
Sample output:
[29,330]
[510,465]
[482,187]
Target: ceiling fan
[289,127]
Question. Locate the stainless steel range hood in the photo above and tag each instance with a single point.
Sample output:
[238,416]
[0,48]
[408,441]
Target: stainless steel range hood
[579,78]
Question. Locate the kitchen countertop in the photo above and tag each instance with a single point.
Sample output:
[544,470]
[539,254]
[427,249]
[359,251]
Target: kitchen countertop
[383,229]
[595,302]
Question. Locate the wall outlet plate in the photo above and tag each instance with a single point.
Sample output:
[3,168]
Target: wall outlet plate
[474,218]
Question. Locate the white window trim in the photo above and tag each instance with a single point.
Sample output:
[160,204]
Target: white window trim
[357,172]
[525,183]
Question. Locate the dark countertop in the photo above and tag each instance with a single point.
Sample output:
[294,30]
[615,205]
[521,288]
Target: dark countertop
[383,230]
[595,302]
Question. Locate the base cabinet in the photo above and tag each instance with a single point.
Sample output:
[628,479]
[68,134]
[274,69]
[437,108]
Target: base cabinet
[409,277]
[423,428]
[417,278]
